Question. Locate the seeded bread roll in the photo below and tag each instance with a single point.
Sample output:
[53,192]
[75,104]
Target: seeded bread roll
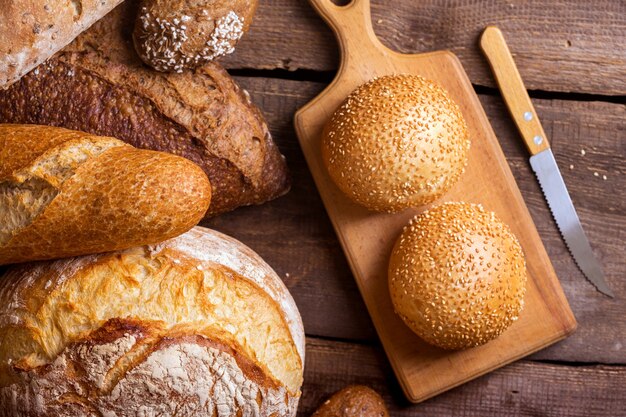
[457,276]
[171,35]
[67,193]
[99,85]
[397,141]
[196,326]
[353,401]
[33,30]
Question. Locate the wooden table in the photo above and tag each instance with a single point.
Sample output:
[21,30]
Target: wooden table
[572,56]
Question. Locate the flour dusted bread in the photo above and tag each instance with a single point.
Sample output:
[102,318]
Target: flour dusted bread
[172,35]
[99,85]
[66,193]
[33,30]
[198,325]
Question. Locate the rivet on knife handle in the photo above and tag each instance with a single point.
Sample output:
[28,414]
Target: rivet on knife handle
[514,92]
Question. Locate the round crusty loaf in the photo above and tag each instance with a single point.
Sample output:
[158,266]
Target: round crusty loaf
[174,35]
[397,141]
[198,325]
[457,276]
[68,193]
[352,401]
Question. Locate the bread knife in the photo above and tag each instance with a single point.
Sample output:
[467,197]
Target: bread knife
[542,160]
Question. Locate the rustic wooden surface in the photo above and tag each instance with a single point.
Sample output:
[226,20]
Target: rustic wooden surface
[525,388]
[584,375]
[563,45]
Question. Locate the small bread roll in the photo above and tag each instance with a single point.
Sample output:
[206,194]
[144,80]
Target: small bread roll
[457,276]
[398,141]
[352,401]
[174,35]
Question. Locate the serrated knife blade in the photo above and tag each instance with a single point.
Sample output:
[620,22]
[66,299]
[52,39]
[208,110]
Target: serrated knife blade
[562,208]
[542,160]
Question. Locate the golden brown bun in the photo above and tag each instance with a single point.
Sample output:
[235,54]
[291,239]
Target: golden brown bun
[396,142]
[353,401]
[32,31]
[457,276]
[67,193]
[99,85]
[198,326]
[171,35]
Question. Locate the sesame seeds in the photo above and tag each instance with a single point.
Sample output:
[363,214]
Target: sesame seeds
[175,43]
[457,276]
[396,141]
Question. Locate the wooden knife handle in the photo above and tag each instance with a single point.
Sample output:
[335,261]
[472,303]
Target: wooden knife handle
[513,90]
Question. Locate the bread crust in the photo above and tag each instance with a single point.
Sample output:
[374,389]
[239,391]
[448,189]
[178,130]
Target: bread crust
[173,35]
[397,141]
[121,198]
[457,276]
[354,400]
[209,245]
[34,30]
[194,365]
[99,85]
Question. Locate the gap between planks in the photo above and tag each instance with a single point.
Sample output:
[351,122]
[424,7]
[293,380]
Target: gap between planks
[326,77]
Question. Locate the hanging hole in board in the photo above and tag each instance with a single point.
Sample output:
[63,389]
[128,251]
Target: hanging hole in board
[341,3]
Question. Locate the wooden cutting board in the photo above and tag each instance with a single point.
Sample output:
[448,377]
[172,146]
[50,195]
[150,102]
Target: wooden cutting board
[367,237]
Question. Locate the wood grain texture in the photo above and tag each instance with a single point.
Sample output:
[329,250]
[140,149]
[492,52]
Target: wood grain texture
[521,389]
[294,234]
[565,45]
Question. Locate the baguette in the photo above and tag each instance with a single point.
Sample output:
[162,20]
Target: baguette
[196,326]
[171,35]
[66,193]
[99,85]
[31,31]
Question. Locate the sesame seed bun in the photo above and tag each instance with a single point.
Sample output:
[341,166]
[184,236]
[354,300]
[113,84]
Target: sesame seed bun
[397,141]
[457,276]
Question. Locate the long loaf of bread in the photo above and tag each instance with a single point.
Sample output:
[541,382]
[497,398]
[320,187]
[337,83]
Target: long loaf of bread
[66,193]
[99,85]
[33,30]
[196,326]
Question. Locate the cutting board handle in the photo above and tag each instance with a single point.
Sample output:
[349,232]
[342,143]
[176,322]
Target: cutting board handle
[352,25]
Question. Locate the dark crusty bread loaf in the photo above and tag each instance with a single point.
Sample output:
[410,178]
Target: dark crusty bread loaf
[33,30]
[66,193]
[99,85]
[353,401]
[198,325]
[171,35]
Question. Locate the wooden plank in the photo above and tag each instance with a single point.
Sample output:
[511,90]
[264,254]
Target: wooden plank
[294,235]
[521,389]
[565,45]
